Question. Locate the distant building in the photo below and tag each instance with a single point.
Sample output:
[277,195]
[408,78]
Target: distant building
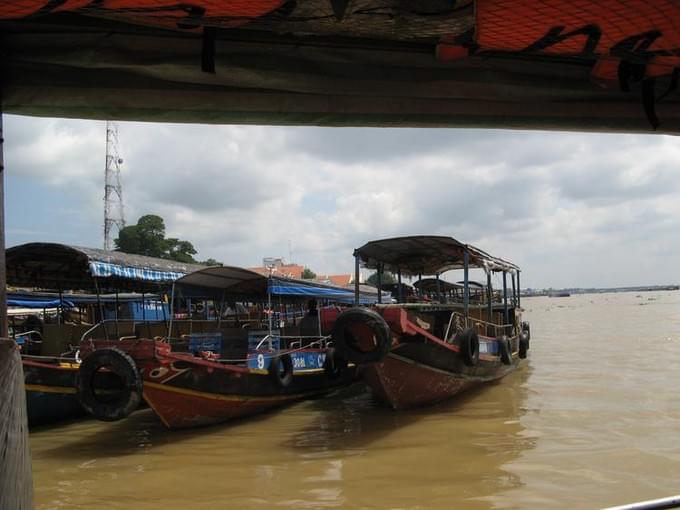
[276,266]
[341,280]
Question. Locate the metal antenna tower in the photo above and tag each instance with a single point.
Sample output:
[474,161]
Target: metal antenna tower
[113,189]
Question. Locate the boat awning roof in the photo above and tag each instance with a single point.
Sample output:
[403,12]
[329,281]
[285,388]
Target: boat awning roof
[426,255]
[59,266]
[430,284]
[236,282]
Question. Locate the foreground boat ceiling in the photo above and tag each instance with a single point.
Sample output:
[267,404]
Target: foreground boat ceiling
[549,64]
[426,255]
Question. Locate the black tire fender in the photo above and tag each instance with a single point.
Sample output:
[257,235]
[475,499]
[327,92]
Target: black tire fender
[523,344]
[505,350]
[121,364]
[527,328]
[334,366]
[345,331]
[468,342]
[281,370]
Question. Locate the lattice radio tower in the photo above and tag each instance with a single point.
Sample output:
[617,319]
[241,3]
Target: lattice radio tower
[113,189]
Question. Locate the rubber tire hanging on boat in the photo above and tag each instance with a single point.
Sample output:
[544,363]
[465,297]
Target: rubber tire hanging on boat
[334,366]
[523,344]
[346,343]
[505,350]
[527,328]
[281,370]
[469,347]
[125,368]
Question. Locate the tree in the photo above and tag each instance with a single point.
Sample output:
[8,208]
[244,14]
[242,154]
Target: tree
[211,262]
[308,274]
[387,277]
[147,237]
[181,251]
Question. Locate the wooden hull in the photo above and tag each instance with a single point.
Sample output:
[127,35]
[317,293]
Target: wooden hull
[178,407]
[50,391]
[187,391]
[403,382]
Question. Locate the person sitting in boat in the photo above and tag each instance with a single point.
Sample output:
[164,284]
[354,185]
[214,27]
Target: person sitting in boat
[309,325]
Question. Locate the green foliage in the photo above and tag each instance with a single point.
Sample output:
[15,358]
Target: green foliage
[211,262]
[387,277]
[147,237]
[308,274]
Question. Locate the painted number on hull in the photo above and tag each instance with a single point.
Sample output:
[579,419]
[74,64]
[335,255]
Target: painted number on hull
[260,361]
[299,362]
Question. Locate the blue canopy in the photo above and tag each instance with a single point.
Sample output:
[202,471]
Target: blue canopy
[109,270]
[38,303]
[236,282]
[286,287]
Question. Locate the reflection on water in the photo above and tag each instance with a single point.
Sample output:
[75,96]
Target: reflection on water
[592,420]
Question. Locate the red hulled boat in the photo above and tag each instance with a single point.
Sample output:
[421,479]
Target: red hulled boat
[442,341]
[237,364]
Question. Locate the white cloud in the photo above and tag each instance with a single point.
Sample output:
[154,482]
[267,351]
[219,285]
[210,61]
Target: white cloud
[571,209]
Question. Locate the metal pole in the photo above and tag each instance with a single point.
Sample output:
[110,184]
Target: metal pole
[506,315]
[221,310]
[519,291]
[379,268]
[269,306]
[466,284]
[116,314]
[439,291]
[356,279]
[101,308]
[400,292]
[172,310]
[514,290]
[61,306]
[160,298]
[489,300]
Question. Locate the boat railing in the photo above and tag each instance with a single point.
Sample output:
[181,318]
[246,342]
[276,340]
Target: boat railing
[120,329]
[458,323]
[322,342]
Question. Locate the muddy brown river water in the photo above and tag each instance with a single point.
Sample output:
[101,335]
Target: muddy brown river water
[593,419]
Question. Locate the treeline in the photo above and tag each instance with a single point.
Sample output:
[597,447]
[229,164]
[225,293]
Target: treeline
[147,238]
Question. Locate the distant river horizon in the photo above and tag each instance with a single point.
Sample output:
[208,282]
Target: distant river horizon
[591,420]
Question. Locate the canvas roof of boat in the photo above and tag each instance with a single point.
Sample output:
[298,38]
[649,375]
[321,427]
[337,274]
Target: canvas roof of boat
[427,255]
[214,282]
[59,266]
[430,284]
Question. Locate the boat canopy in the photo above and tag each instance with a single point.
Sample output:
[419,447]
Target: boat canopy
[63,267]
[430,285]
[238,283]
[27,301]
[427,255]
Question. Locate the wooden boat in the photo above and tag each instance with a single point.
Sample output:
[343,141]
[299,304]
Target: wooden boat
[209,371]
[49,353]
[415,353]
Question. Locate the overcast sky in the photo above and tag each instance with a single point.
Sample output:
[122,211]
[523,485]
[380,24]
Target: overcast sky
[570,209]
